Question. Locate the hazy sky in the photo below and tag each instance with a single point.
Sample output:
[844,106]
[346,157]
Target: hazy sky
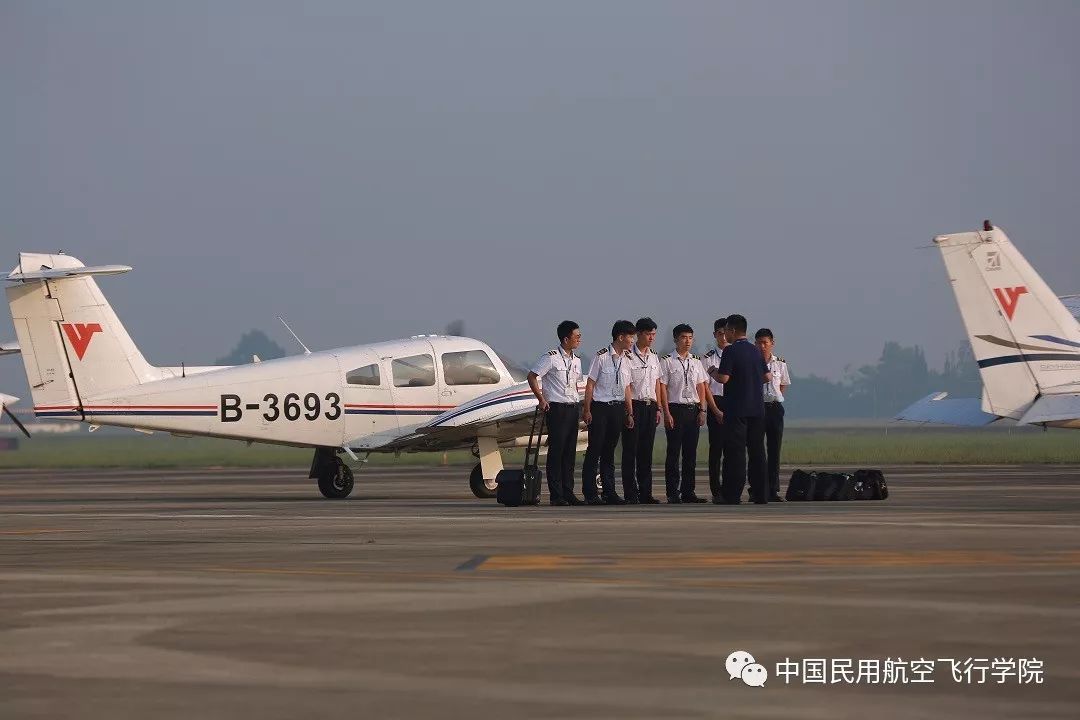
[374,170]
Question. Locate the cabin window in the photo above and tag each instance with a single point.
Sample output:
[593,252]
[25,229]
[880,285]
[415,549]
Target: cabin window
[367,375]
[472,367]
[414,371]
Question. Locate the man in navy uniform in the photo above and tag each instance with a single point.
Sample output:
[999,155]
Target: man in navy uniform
[637,450]
[560,371]
[711,361]
[743,373]
[608,409]
[682,392]
[775,391]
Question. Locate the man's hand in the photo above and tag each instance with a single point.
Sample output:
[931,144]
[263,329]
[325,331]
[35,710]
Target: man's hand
[544,405]
[659,417]
[587,416]
[630,421]
[718,414]
[701,418]
[670,421]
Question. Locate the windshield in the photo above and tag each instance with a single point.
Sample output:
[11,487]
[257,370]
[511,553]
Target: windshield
[518,373]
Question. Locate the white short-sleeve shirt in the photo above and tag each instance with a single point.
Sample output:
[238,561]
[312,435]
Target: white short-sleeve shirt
[644,372]
[711,359]
[611,373]
[682,376]
[780,376]
[559,375]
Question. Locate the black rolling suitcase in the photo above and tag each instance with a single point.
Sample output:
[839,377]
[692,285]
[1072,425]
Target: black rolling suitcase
[522,487]
[801,486]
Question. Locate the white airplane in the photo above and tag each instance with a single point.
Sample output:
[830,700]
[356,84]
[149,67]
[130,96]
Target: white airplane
[1026,340]
[425,393]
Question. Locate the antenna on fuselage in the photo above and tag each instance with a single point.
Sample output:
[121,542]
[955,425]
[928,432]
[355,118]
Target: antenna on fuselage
[297,339]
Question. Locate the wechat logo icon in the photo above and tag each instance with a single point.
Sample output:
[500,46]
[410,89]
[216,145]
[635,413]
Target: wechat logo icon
[741,664]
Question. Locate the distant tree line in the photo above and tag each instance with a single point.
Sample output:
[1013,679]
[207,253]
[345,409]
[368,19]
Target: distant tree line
[899,378]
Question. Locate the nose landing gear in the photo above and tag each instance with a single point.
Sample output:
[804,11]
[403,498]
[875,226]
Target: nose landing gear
[334,476]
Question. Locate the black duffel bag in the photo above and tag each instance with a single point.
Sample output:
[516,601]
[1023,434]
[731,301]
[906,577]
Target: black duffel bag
[866,484]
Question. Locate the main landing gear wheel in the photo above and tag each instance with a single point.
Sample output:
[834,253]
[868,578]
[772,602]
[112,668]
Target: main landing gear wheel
[480,487]
[334,476]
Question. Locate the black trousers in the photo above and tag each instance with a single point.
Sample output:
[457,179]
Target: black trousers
[562,429]
[745,437]
[774,438]
[637,451]
[716,448]
[682,439]
[607,425]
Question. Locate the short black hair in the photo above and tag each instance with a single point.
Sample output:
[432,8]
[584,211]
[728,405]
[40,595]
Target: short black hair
[566,329]
[763,332]
[622,327]
[645,324]
[719,324]
[680,329]
[737,323]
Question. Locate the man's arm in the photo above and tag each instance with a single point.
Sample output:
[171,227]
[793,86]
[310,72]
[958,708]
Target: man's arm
[629,396]
[534,385]
[587,413]
[702,402]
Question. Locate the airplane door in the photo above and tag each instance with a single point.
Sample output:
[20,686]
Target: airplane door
[416,385]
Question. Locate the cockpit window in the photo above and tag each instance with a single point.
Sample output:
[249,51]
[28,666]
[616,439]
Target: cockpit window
[367,375]
[470,367]
[414,371]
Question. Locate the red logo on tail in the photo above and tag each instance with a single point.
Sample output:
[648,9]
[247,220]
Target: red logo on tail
[1008,298]
[79,334]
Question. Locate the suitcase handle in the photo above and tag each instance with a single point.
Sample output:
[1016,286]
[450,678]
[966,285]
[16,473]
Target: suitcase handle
[532,454]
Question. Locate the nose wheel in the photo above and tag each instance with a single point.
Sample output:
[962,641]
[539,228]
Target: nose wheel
[482,488]
[334,476]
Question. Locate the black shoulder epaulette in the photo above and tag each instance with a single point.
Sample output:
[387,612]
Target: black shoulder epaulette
[781,359]
[710,353]
[601,351]
[553,352]
[693,356]
[664,357]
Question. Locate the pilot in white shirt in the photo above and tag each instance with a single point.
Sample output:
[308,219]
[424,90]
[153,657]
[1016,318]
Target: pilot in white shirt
[638,441]
[774,390]
[682,385]
[608,409]
[554,380]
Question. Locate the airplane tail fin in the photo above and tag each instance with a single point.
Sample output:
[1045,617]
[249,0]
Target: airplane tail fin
[73,345]
[1025,340]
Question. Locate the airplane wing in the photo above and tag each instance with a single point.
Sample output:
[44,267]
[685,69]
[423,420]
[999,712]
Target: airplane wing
[937,409]
[9,348]
[5,402]
[504,414]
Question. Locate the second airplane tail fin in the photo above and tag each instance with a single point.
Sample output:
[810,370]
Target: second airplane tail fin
[1025,340]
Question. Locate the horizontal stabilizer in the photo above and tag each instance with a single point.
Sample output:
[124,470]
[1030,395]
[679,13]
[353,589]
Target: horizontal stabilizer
[60,273]
[937,408]
[9,348]
[1052,408]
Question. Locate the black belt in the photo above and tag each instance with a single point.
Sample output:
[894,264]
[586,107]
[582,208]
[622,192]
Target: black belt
[610,402]
[696,406]
[644,402]
[568,404]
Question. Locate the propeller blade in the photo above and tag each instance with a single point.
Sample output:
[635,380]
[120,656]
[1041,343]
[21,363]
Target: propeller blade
[17,422]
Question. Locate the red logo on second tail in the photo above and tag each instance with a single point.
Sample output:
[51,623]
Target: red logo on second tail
[1008,298]
[79,334]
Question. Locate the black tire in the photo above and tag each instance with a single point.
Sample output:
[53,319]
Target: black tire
[338,483]
[480,487]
